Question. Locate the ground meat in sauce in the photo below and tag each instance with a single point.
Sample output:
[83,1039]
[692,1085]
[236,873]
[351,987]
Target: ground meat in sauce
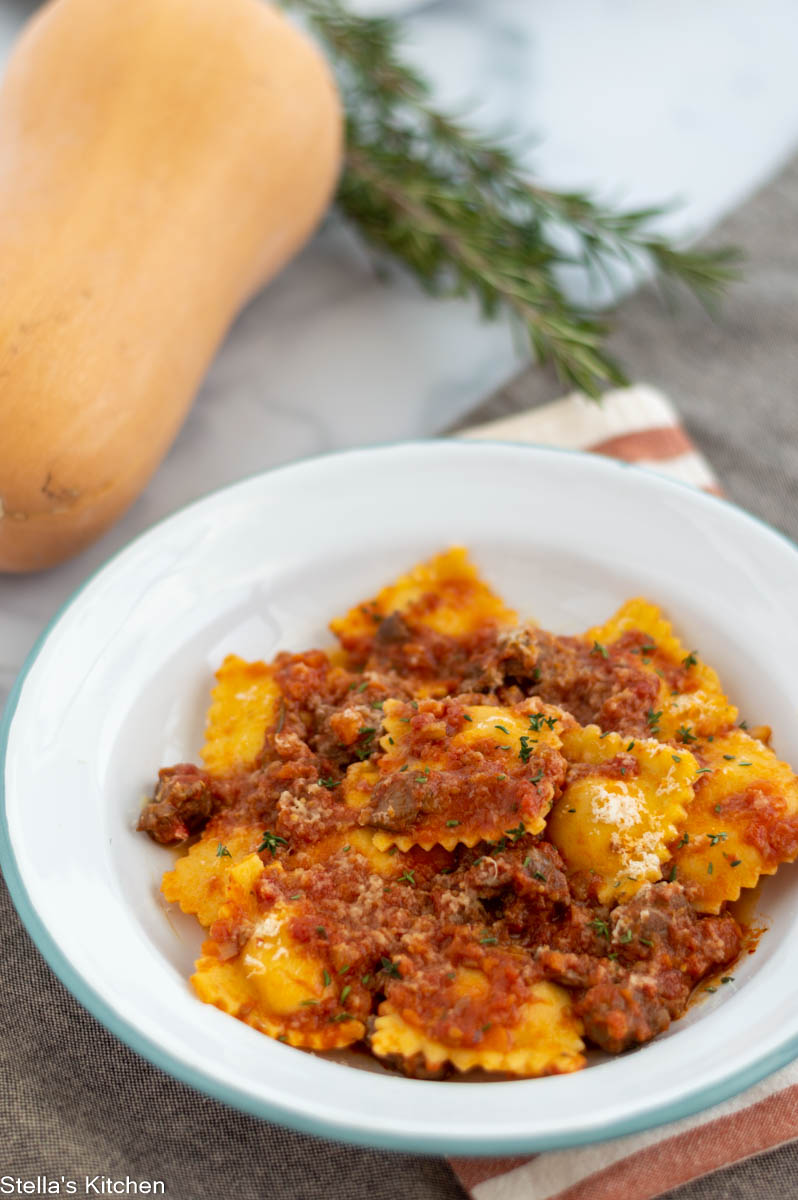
[393,630]
[596,690]
[507,906]
[766,824]
[655,950]
[182,804]
[395,803]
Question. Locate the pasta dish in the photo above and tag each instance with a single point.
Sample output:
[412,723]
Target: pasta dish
[463,842]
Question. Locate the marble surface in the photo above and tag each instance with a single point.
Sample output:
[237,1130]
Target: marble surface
[638,100]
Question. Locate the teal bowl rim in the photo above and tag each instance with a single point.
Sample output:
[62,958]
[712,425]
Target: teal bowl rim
[84,993]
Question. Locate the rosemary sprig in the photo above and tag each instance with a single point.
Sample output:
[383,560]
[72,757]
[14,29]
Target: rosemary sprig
[459,211]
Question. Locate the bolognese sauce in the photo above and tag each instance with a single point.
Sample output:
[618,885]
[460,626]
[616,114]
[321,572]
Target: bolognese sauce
[465,842]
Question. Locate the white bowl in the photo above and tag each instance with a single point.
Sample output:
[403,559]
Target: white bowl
[118,686]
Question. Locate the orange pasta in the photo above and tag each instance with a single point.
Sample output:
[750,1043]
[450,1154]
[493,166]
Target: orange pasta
[469,844]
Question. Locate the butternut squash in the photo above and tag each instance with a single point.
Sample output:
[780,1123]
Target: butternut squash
[160,160]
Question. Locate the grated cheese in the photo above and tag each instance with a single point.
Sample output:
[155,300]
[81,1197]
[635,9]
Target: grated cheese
[267,927]
[642,856]
[620,807]
[253,965]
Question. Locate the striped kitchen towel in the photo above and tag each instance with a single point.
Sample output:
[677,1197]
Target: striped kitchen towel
[637,424]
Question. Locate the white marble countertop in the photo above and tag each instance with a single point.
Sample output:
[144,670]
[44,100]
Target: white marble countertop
[638,100]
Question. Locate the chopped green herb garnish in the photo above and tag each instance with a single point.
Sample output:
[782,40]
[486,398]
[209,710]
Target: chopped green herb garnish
[730,757]
[690,659]
[502,728]
[390,968]
[714,838]
[517,833]
[646,941]
[526,749]
[745,764]
[652,718]
[672,875]
[326,978]
[366,732]
[735,862]
[408,877]
[704,771]
[467,718]
[684,840]
[710,868]
[538,720]
[626,937]
[676,757]
[328,782]
[631,746]
[601,927]
[365,980]
[222,851]
[452,824]
[363,686]
[599,649]
[685,734]
[271,841]
[488,941]
[345,992]
[406,767]
[321,931]
[501,777]
[539,875]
